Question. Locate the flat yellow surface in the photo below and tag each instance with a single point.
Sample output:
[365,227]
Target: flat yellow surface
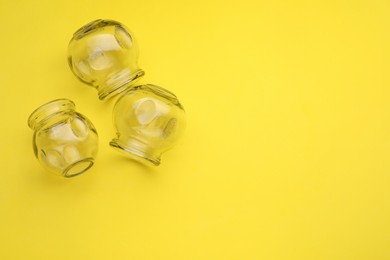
[286,153]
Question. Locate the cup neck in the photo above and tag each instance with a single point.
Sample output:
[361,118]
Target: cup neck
[137,150]
[45,112]
[118,83]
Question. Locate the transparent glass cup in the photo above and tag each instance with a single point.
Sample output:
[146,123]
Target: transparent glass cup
[64,141]
[148,120]
[104,55]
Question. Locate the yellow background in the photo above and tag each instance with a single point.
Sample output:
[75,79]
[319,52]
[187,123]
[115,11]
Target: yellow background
[286,153]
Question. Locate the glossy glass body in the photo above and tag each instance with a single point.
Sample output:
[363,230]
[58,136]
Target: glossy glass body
[104,54]
[65,142]
[149,120]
